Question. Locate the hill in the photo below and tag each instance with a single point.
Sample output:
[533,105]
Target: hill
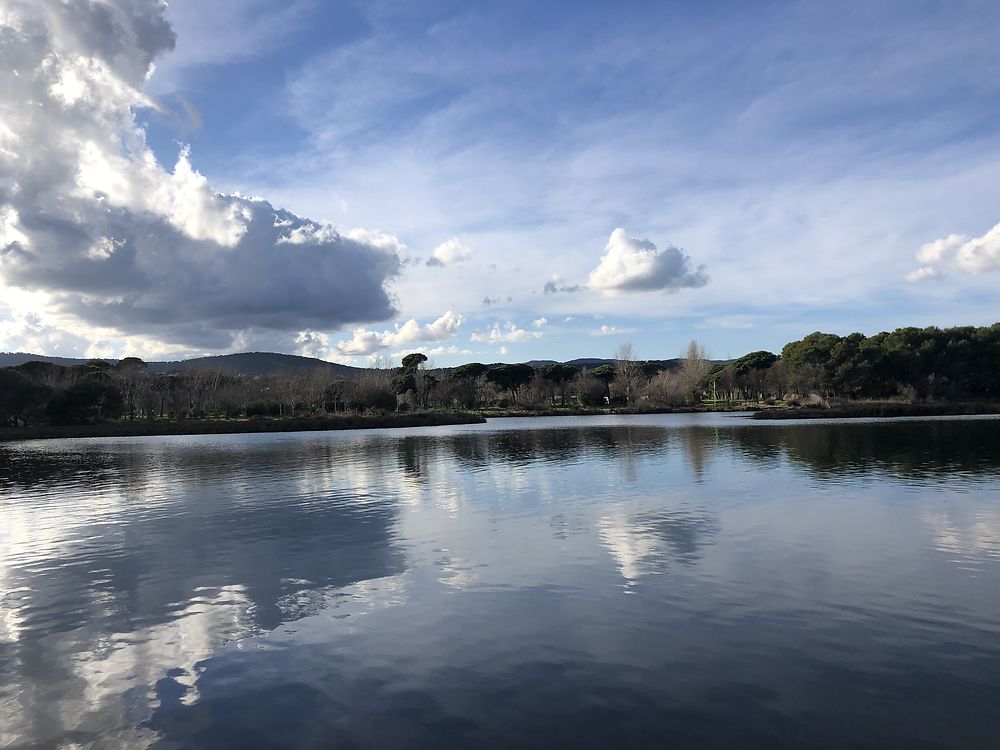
[246,363]
[268,363]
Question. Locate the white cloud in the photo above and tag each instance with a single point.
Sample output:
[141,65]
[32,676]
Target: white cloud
[972,255]
[411,332]
[922,274]
[980,253]
[89,216]
[378,238]
[606,330]
[450,252]
[309,233]
[437,351]
[10,228]
[938,250]
[539,322]
[633,265]
[509,332]
[312,344]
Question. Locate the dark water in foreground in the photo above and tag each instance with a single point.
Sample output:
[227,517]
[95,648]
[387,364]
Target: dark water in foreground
[666,581]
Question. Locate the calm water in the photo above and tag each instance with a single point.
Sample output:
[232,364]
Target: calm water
[667,581]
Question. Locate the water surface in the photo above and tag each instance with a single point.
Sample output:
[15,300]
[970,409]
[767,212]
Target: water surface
[658,581]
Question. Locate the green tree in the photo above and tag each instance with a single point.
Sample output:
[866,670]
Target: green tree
[90,400]
[414,360]
[606,374]
[470,371]
[511,378]
[21,399]
[559,376]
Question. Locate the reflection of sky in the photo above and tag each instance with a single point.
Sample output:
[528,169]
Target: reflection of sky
[128,566]
[965,534]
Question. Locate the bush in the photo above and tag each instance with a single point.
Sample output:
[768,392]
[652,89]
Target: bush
[263,409]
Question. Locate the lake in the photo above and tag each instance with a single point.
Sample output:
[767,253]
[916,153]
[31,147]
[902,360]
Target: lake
[700,581]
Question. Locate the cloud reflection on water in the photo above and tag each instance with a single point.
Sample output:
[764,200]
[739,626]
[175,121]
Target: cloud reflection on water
[128,566]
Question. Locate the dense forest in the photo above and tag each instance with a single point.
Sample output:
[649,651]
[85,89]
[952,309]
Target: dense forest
[909,364]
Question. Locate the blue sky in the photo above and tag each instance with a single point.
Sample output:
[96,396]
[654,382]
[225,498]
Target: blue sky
[784,162]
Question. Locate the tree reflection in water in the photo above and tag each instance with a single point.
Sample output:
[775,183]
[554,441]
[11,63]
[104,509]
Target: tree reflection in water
[128,566]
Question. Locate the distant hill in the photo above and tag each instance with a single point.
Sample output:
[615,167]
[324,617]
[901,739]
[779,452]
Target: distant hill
[256,363]
[13,359]
[247,363]
[267,363]
[591,362]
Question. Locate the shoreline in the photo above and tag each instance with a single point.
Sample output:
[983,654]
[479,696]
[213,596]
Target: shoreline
[238,426]
[880,409]
[623,411]
[442,419]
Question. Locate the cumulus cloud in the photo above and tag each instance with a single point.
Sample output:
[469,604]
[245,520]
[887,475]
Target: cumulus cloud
[410,332]
[939,250]
[539,322]
[377,238]
[312,344]
[980,254]
[90,217]
[450,252]
[960,252]
[634,265]
[509,332]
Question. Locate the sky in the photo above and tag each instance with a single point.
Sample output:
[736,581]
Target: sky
[492,181]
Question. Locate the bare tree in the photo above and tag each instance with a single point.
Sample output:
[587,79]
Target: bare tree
[314,385]
[695,366]
[628,372]
[665,389]
[381,370]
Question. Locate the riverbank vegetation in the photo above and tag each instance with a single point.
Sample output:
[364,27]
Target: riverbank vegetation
[208,426]
[906,366]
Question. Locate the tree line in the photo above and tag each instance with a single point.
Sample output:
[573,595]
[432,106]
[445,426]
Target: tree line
[908,363]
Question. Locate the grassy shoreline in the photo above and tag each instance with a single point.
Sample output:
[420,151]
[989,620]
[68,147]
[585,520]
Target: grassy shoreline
[875,409]
[239,426]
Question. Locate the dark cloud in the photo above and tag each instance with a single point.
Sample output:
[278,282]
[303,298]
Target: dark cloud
[159,283]
[89,216]
[555,285]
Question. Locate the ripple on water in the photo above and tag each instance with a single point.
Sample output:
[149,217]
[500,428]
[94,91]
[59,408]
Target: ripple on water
[628,581]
